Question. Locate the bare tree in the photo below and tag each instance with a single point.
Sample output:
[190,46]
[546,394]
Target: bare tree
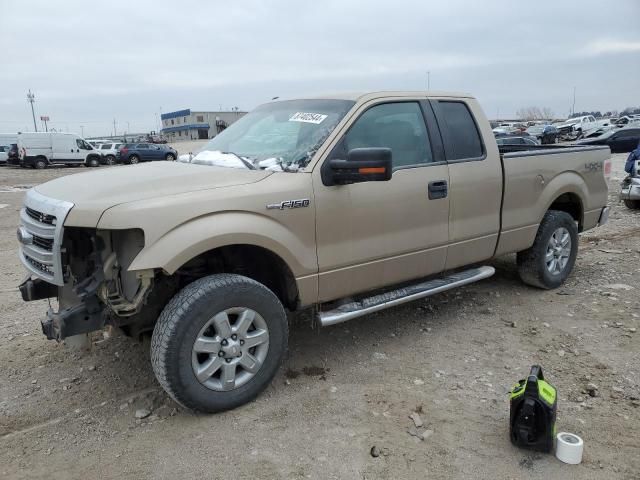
[534,113]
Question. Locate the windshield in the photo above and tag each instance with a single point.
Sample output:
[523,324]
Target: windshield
[281,136]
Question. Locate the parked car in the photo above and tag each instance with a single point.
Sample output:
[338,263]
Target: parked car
[544,133]
[517,140]
[333,216]
[619,141]
[38,150]
[132,153]
[4,154]
[109,152]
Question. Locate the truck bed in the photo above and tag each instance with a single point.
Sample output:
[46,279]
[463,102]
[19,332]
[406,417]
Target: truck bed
[536,177]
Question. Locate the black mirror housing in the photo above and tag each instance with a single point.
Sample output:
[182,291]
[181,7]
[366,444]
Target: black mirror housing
[362,165]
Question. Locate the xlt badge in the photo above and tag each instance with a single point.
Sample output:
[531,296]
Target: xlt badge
[303,202]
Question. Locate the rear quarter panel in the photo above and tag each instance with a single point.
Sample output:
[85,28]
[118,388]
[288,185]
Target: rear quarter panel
[534,180]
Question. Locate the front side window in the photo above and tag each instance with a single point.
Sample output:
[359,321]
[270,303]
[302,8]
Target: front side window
[105,146]
[142,146]
[398,126]
[83,145]
[462,139]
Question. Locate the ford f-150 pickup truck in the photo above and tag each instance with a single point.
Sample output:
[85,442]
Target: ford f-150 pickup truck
[348,204]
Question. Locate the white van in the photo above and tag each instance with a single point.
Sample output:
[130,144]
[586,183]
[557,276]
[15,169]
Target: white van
[37,150]
[8,138]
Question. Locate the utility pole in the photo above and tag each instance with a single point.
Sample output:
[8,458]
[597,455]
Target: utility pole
[428,81]
[573,106]
[82,131]
[32,98]
[114,127]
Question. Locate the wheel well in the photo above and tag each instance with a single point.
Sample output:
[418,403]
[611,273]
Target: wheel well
[254,262]
[571,204]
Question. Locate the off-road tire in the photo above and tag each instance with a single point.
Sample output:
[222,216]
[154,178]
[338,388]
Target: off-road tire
[532,267]
[40,163]
[181,321]
[632,204]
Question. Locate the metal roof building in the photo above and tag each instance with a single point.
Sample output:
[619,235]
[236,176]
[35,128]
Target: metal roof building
[189,124]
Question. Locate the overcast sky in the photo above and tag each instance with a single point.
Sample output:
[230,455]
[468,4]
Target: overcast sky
[91,62]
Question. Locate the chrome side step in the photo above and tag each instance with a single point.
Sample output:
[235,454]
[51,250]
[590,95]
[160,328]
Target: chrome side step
[402,295]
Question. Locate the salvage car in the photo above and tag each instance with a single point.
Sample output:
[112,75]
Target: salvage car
[546,134]
[630,188]
[619,141]
[345,205]
[577,127]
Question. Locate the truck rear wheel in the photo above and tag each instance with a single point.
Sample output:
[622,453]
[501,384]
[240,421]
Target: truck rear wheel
[40,163]
[219,342]
[549,261]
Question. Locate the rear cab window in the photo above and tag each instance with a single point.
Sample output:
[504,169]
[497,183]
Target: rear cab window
[460,134]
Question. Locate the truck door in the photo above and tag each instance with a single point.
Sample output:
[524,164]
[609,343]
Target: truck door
[475,172]
[379,233]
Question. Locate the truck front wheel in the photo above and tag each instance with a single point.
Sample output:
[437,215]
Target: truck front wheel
[632,204]
[549,261]
[219,342]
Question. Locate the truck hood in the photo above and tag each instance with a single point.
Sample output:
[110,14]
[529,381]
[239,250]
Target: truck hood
[94,192]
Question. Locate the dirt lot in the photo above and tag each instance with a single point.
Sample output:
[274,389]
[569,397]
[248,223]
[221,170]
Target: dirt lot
[347,388]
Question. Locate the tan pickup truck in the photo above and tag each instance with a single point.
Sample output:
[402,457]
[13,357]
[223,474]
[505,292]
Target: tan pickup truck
[348,204]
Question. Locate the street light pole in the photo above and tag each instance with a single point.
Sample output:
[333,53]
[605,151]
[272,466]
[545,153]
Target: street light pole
[32,98]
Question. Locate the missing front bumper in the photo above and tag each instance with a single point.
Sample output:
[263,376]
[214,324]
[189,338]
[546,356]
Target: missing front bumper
[72,321]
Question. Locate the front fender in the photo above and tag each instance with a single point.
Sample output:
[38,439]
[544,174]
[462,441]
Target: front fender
[204,233]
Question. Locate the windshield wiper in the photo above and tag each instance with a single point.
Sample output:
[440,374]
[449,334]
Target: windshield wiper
[247,163]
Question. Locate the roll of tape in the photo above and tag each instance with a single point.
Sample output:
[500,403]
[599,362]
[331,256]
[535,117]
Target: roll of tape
[569,448]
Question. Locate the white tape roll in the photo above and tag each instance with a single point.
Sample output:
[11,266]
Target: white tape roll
[569,448]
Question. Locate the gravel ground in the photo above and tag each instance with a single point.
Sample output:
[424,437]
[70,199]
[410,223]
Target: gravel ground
[345,389]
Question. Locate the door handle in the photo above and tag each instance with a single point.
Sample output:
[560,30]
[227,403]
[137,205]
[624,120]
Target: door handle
[438,189]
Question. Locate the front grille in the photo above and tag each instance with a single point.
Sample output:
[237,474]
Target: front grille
[45,243]
[41,217]
[39,265]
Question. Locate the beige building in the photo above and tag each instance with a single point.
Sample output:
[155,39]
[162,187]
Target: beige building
[196,125]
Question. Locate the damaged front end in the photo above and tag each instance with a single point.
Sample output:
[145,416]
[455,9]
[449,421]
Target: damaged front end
[86,269]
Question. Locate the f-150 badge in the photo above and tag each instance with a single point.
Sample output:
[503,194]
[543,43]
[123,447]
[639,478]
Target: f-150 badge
[303,202]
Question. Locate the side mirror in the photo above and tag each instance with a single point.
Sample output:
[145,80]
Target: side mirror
[361,165]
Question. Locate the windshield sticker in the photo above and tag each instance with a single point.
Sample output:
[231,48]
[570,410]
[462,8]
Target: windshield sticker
[308,117]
